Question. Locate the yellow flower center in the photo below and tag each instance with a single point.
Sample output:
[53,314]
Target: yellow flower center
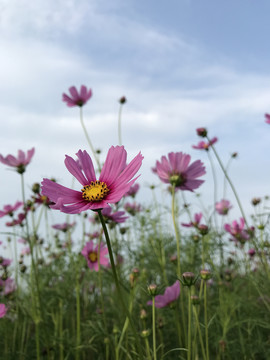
[96,191]
[93,257]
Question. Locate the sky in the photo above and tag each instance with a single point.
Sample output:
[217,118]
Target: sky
[181,64]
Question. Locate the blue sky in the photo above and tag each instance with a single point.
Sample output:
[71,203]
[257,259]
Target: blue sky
[181,65]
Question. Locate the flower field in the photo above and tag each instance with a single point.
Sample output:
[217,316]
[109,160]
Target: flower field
[119,279]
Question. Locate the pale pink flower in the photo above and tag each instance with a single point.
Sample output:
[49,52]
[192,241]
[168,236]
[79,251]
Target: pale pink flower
[20,162]
[116,217]
[91,254]
[202,145]
[25,251]
[133,190]
[114,181]
[223,207]
[17,221]
[5,262]
[3,310]
[132,208]
[8,286]
[237,230]
[77,98]
[9,209]
[64,227]
[171,294]
[177,170]
[196,222]
[267,118]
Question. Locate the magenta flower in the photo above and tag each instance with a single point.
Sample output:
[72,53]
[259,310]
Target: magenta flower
[267,118]
[7,286]
[171,294]
[133,190]
[223,207]
[196,222]
[76,98]
[3,310]
[5,262]
[176,170]
[116,217]
[114,181]
[17,221]
[9,209]
[132,209]
[202,145]
[91,254]
[20,162]
[237,231]
[64,227]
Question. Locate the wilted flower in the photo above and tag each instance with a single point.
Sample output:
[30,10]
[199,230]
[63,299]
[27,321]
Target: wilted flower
[170,295]
[202,145]
[20,162]
[223,207]
[114,181]
[176,170]
[9,209]
[76,98]
[92,253]
[3,310]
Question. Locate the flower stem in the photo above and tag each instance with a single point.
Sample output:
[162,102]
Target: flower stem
[119,125]
[205,320]
[116,280]
[189,323]
[88,139]
[154,328]
[229,181]
[177,236]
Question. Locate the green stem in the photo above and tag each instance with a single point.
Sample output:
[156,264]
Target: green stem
[189,324]
[229,181]
[119,125]
[154,328]
[88,139]
[200,333]
[205,321]
[116,280]
[177,236]
[78,317]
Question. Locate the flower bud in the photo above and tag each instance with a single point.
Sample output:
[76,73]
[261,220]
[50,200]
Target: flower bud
[188,278]
[143,314]
[152,289]
[123,100]
[145,333]
[202,132]
[205,274]
[36,188]
[195,300]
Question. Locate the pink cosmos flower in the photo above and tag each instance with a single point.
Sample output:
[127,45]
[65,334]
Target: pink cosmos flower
[177,171]
[171,294]
[5,262]
[114,181]
[90,252]
[17,221]
[64,227]
[20,162]
[3,310]
[267,118]
[117,216]
[132,209]
[237,231]
[7,286]
[223,207]
[196,222]
[202,145]
[133,190]
[25,251]
[77,98]
[9,209]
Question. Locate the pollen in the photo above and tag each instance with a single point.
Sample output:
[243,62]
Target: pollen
[92,256]
[96,191]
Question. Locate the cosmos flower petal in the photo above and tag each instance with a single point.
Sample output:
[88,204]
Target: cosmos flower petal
[87,165]
[54,191]
[114,164]
[75,170]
